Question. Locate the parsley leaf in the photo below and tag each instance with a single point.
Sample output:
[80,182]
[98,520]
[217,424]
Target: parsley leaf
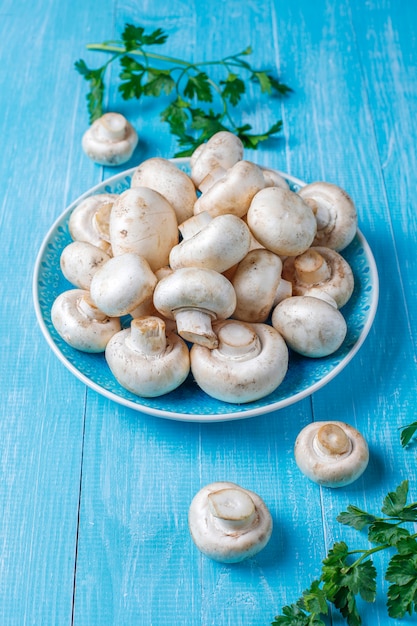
[407,433]
[144,73]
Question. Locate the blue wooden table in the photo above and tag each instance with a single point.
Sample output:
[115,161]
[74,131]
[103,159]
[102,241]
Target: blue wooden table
[94,496]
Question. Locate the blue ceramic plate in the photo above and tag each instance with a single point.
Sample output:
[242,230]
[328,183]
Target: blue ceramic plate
[189,403]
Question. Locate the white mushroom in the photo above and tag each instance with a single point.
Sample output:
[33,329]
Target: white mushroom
[80,323]
[320,268]
[215,243]
[175,185]
[89,221]
[144,222]
[80,260]
[310,326]
[233,192]
[258,285]
[122,284]
[229,523]
[335,213]
[146,359]
[273,178]
[223,149]
[331,453]
[250,362]
[195,297]
[110,140]
[281,221]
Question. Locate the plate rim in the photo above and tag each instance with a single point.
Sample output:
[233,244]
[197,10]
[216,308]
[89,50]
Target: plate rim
[197,417]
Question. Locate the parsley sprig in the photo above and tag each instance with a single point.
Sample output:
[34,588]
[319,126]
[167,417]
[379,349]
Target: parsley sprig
[200,104]
[407,433]
[347,574]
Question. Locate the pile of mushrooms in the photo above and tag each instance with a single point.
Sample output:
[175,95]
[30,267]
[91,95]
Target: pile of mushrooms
[219,273]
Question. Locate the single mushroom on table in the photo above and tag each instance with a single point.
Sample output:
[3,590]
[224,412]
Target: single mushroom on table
[80,323]
[147,359]
[110,140]
[310,325]
[229,523]
[281,221]
[335,212]
[331,453]
[195,297]
[170,181]
[250,362]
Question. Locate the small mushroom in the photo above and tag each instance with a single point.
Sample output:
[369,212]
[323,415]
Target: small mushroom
[310,326]
[229,523]
[258,285]
[214,243]
[250,362]
[80,323]
[273,178]
[233,192]
[121,284]
[320,268]
[146,359]
[80,260]
[110,140]
[223,149]
[175,185]
[195,297]
[281,221]
[335,212]
[89,221]
[331,453]
[144,222]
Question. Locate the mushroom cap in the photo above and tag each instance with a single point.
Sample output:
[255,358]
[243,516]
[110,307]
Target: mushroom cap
[175,185]
[233,192]
[219,245]
[121,284]
[144,222]
[80,323]
[255,282]
[250,362]
[331,453]
[338,281]
[281,221]
[335,212]
[195,287]
[110,140]
[89,221]
[273,178]
[223,149]
[152,367]
[310,326]
[217,525]
[80,260]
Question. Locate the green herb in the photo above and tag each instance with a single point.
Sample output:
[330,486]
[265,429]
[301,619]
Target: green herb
[200,106]
[347,574]
[407,433]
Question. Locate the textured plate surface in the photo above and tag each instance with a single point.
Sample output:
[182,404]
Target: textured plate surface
[189,403]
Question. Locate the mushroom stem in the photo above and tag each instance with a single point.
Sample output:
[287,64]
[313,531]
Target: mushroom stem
[148,336]
[332,441]
[194,325]
[101,220]
[89,310]
[233,508]
[194,224]
[112,128]
[238,341]
[311,267]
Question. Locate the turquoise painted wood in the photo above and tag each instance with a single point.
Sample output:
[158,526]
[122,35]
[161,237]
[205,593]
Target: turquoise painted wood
[94,496]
